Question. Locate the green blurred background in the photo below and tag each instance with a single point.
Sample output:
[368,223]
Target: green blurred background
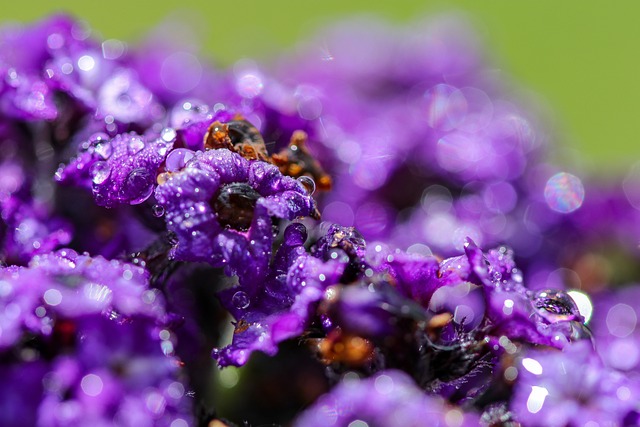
[578,59]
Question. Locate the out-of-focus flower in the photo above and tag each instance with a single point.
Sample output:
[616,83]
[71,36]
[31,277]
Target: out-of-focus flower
[571,387]
[94,332]
[389,398]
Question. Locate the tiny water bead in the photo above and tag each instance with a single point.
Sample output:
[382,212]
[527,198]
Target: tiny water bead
[158,210]
[240,300]
[556,306]
[564,192]
[100,172]
[308,183]
[234,205]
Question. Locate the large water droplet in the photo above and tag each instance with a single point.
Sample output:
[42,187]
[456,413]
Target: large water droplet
[308,183]
[138,186]
[100,171]
[240,300]
[556,306]
[295,234]
[178,158]
[168,134]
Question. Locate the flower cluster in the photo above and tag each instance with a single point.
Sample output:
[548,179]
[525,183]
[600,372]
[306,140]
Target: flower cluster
[164,260]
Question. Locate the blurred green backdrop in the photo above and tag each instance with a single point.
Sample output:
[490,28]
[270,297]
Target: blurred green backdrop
[580,59]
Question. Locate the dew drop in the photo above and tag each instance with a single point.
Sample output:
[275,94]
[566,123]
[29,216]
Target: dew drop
[308,183]
[136,145]
[168,134]
[100,171]
[556,306]
[178,158]
[240,300]
[103,149]
[138,186]
[295,234]
[157,210]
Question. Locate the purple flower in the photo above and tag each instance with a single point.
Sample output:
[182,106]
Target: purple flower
[570,388]
[117,372]
[615,328]
[121,170]
[389,398]
[67,285]
[400,136]
[220,207]
[101,327]
[279,308]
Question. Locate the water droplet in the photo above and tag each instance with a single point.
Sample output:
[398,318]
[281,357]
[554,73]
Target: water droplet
[103,149]
[138,186]
[564,192]
[158,210]
[178,158]
[308,183]
[295,234]
[516,275]
[100,171]
[136,145]
[168,134]
[240,300]
[556,306]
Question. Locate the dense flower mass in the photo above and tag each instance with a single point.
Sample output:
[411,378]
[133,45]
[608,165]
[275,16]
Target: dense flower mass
[160,219]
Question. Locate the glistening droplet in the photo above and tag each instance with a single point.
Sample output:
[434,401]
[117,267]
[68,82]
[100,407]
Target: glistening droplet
[556,306]
[308,183]
[240,300]
[138,186]
[100,171]
[157,210]
[295,234]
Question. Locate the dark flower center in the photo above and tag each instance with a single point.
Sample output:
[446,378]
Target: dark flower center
[234,205]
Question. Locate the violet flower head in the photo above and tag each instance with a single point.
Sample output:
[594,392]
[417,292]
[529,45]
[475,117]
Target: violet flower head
[571,388]
[68,285]
[615,328]
[220,206]
[279,308]
[423,153]
[390,398]
[101,331]
[121,170]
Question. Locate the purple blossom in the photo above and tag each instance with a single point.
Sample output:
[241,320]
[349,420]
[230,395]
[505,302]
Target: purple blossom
[281,307]
[389,398]
[571,388]
[121,170]
[100,325]
[220,207]
[615,328]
